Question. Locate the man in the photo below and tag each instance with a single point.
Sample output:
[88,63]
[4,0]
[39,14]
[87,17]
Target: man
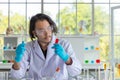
[42,56]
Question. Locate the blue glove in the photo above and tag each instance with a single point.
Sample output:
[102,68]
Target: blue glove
[20,51]
[61,52]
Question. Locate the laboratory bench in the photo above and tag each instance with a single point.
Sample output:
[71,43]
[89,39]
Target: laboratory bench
[93,72]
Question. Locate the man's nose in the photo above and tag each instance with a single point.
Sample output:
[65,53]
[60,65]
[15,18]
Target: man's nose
[47,32]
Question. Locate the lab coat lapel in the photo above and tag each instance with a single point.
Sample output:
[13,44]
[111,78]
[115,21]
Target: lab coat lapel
[38,50]
[50,50]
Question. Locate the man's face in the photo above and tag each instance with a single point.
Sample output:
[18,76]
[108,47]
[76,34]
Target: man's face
[43,31]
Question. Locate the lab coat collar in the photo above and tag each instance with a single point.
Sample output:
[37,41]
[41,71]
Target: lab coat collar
[38,50]
[50,51]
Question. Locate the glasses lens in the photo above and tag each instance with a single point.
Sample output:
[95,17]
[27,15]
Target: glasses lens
[42,31]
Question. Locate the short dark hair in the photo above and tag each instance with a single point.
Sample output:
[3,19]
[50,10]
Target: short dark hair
[40,16]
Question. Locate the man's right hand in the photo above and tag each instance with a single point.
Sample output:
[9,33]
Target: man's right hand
[20,51]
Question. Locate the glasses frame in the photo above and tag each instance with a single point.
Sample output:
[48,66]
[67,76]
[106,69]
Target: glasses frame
[43,31]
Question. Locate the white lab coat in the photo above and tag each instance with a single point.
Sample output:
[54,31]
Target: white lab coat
[40,67]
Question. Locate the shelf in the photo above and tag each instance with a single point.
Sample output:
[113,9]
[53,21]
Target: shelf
[10,43]
[9,50]
[5,65]
[92,66]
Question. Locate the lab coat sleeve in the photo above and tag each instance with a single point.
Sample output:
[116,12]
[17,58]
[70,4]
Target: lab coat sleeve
[23,66]
[75,68]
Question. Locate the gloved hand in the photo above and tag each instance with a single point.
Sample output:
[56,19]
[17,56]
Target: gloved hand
[20,51]
[59,50]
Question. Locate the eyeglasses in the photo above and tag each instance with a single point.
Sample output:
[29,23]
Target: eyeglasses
[43,31]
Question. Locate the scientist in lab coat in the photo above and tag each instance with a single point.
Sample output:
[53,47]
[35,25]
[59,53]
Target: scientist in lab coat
[42,55]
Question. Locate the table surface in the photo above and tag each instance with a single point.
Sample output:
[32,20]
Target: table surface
[7,66]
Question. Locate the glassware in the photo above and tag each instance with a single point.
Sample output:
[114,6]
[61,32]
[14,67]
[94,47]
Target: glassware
[27,79]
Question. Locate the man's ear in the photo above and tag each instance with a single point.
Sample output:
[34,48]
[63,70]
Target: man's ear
[34,33]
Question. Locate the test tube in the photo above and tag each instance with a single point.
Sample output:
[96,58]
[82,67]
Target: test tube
[56,41]
[99,73]
[57,69]
[56,73]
